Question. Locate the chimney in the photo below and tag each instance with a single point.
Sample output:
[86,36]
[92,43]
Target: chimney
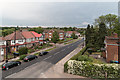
[115,35]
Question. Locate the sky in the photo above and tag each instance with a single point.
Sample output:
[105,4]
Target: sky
[76,13]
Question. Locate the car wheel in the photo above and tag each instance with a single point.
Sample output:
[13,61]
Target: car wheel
[18,64]
[7,68]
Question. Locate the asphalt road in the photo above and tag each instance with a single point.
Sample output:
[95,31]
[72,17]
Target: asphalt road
[35,67]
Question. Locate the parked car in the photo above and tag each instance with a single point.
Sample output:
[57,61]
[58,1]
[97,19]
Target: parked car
[10,64]
[114,61]
[16,54]
[30,57]
[43,53]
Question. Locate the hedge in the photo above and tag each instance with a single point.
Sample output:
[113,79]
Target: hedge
[92,70]
[22,57]
[23,50]
[75,57]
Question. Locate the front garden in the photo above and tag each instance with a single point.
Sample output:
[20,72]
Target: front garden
[85,65]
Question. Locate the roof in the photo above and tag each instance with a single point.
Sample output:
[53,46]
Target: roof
[27,34]
[114,36]
[70,32]
[36,34]
[2,38]
[12,36]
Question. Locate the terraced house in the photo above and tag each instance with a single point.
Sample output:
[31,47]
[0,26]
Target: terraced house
[21,38]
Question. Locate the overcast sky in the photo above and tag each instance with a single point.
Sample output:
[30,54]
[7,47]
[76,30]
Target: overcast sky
[43,13]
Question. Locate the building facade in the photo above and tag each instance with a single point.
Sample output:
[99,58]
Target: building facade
[111,48]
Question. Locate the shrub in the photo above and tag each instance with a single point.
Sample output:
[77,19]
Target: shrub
[23,50]
[40,47]
[36,47]
[65,67]
[85,58]
[22,57]
[31,50]
[92,70]
[75,57]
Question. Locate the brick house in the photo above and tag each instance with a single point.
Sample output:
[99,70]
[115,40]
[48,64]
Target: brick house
[111,48]
[69,33]
[49,34]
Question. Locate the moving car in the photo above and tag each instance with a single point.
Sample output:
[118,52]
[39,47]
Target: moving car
[30,57]
[43,53]
[10,64]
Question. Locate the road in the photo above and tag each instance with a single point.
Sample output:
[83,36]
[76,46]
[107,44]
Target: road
[38,66]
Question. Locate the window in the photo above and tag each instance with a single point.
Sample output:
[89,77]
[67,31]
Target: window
[50,33]
[49,36]
[61,33]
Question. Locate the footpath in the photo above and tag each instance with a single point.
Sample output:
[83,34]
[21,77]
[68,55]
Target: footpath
[57,71]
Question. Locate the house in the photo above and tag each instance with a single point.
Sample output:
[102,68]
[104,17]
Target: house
[38,37]
[48,34]
[22,38]
[2,48]
[111,48]
[69,33]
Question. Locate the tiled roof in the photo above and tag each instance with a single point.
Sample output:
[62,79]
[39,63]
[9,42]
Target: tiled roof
[36,34]
[27,34]
[2,38]
[12,36]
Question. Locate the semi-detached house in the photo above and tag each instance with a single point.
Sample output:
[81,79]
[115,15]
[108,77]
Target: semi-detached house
[21,38]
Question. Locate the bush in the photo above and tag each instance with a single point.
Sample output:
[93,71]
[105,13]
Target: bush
[85,58]
[23,50]
[92,70]
[22,57]
[31,50]
[65,67]
[40,47]
[75,57]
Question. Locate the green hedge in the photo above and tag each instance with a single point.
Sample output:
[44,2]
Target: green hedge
[22,57]
[23,50]
[92,70]
[85,58]
[75,57]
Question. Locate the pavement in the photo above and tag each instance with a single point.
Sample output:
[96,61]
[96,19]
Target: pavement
[38,67]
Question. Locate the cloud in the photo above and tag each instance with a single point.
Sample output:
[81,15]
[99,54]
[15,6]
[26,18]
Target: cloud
[85,23]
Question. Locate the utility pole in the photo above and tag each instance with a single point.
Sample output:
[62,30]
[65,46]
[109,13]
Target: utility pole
[6,51]
[15,40]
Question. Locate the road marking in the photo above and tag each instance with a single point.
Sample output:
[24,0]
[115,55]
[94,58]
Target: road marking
[47,58]
[56,53]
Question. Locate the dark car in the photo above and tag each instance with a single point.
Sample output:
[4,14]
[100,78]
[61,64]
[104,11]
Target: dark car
[43,53]
[16,54]
[10,64]
[30,57]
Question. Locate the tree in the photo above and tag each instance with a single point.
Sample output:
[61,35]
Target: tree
[102,33]
[74,36]
[55,37]
[109,20]
[23,50]
[87,34]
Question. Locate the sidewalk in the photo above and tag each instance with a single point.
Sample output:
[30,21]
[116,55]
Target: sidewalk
[57,71]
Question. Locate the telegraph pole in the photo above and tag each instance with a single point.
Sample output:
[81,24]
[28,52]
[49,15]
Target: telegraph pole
[6,51]
[15,40]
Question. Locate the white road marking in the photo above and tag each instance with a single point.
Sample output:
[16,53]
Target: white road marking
[47,58]
[56,53]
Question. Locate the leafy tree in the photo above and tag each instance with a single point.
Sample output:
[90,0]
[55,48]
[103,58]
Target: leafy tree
[110,20]
[74,36]
[117,29]
[55,37]
[23,50]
